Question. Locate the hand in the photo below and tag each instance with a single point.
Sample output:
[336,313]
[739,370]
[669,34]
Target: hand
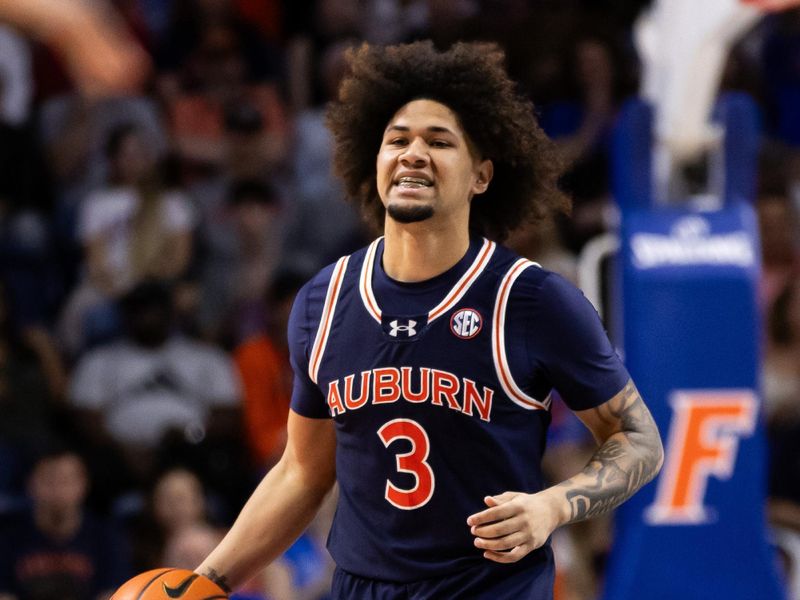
[514,525]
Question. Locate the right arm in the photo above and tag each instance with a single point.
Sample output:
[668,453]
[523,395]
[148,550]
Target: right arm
[281,507]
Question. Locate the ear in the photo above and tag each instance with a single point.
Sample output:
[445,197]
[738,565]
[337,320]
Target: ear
[484,176]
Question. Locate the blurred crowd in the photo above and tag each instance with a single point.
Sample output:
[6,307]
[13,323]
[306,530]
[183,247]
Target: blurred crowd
[151,245]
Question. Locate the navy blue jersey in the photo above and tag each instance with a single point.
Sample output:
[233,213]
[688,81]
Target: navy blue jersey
[440,393]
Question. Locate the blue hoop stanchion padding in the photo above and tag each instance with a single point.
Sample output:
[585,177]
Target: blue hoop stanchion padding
[690,334]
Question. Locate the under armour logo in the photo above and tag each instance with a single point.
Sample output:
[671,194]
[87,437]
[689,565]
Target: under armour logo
[407,329]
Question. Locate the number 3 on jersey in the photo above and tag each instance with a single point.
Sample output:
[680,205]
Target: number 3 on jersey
[413,462]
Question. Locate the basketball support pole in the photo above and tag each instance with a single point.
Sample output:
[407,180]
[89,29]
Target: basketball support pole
[688,322]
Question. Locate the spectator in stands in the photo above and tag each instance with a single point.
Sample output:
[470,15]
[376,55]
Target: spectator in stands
[781,388]
[32,383]
[74,133]
[131,393]
[197,113]
[176,502]
[176,530]
[263,363]
[781,369]
[598,78]
[780,239]
[132,230]
[72,136]
[243,242]
[600,74]
[190,21]
[58,549]
[323,227]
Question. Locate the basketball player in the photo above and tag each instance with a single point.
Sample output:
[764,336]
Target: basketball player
[424,363]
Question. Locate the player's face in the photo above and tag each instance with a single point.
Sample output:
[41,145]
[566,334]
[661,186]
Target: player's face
[426,165]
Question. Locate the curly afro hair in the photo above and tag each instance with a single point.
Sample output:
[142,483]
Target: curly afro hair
[471,80]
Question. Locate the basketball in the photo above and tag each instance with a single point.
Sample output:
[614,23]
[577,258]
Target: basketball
[167,584]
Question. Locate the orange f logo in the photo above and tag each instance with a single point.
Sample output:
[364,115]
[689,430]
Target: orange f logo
[703,441]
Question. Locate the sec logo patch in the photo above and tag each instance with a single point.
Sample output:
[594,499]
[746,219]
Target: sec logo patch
[466,323]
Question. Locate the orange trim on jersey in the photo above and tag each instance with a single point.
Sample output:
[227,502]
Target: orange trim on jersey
[365,282]
[326,320]
[498,341]
[466,280]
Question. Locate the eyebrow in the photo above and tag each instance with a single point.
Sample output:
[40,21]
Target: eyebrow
[432,129]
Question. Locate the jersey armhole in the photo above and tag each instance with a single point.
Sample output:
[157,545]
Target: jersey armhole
[326,319]
[502,367]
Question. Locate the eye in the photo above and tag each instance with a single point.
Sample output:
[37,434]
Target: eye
[399,141]
[440,144]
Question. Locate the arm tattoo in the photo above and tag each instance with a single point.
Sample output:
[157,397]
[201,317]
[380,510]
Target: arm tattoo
[625,462]
[220,580]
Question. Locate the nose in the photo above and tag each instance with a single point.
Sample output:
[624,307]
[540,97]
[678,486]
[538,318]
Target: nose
[415,154]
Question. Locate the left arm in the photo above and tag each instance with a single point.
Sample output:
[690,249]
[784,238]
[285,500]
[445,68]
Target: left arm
[630,455]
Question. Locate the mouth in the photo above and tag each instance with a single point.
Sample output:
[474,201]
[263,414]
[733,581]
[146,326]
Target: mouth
[413,182]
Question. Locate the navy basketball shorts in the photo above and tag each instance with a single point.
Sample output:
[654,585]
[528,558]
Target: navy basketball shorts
[490,581]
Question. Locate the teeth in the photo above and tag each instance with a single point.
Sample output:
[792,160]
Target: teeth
[413,182]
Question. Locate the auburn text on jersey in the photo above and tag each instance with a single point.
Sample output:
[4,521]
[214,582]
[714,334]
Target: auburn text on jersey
[410,384]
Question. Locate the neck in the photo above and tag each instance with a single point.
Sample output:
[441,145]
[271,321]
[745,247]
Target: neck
[60,525]
[416,253]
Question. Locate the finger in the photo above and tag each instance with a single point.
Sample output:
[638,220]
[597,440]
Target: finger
[501,544]
[500,498]
[499,529]
[490,515]
[511,556]
[492,502]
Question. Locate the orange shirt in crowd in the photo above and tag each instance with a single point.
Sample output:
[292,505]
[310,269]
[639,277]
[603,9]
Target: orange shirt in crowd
[267,381]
